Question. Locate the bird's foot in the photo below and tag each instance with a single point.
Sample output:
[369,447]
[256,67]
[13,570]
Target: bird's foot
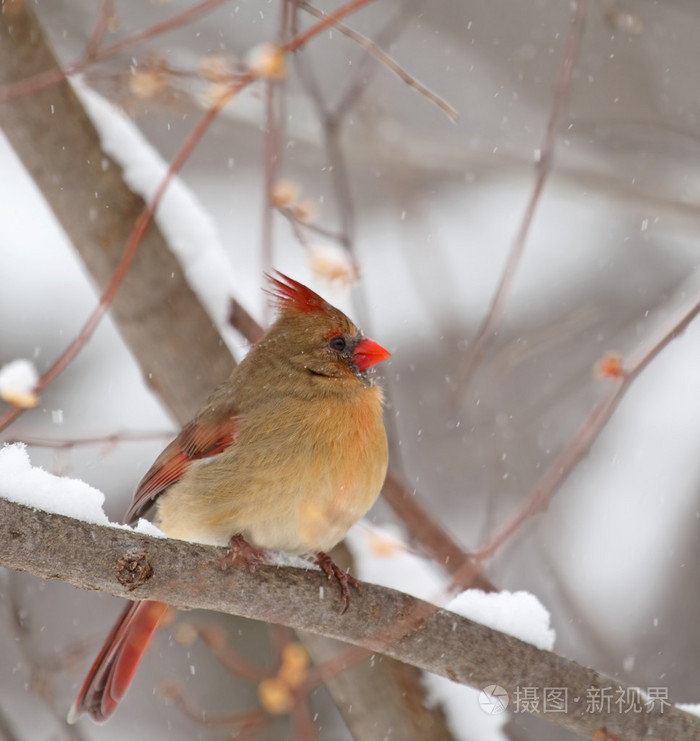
[332,570]
[239,549]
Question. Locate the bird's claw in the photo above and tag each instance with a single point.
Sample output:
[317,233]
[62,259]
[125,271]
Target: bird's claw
[332,570]
[239,549]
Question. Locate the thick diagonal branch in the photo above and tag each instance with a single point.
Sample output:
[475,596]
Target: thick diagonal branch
[60,148]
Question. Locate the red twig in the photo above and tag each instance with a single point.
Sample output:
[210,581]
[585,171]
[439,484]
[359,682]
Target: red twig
[374,49]
[559,470]
[244,721]
[105,12]
[324,23]
[302,720]
[271,158]
[562,93]
[177,21]
[275,119]
[53,76]
[111,439]
[216,641]
[127,258]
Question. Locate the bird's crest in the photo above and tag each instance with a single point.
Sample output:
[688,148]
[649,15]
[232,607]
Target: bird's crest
[292,295]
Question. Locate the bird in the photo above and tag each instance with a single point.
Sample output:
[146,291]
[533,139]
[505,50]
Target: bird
[286,455]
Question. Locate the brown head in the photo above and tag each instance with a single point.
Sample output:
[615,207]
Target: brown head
[315,341]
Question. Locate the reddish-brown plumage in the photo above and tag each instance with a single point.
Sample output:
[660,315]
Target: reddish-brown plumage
[195,442]
[117,662]
[294,296]
[287,455]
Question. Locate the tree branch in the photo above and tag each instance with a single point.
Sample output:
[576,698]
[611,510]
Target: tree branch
[62,153]
[188,575]
[562,92]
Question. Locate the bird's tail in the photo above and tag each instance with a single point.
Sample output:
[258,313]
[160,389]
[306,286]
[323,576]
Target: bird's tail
[114,668]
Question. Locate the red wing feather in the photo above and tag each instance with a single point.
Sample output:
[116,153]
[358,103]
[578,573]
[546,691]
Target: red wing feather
[196,440]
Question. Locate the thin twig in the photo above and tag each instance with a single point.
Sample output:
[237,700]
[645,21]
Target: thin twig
[104,14]
[275,127]
[332,128]
[562,93]
[336,163]
[242,720]
[302,720]
[376,51]
[127,258]
[326,22]
[298,226]
[227,656]
[110,439]
[39,682]
[562,466]
[53,76]
[242,321]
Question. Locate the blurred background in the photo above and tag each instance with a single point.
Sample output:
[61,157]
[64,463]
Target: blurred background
[430,209]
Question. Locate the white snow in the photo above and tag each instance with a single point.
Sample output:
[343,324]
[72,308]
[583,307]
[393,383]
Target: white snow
[689,707]
[22,483]
[519,614]
[31,486]
[188,228]
[146,527]
[383,557]
[465,717]
[17,381]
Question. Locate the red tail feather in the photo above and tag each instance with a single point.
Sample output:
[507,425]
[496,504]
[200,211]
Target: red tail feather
[111,674]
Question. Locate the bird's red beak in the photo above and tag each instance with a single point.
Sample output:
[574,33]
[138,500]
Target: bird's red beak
[368,353]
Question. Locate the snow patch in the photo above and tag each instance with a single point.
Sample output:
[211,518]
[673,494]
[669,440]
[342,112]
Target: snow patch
[146,527]
[188,228]
[22,483]
[382,557]
[519,614]
[465,717]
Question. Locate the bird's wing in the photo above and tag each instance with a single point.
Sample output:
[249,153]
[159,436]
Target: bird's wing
[198,439]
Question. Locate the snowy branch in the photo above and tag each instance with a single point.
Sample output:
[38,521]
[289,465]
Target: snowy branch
[133,566]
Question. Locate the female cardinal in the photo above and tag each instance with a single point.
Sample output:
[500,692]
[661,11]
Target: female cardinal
[286,455]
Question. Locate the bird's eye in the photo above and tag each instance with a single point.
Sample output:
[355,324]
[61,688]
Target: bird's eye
[338,343]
